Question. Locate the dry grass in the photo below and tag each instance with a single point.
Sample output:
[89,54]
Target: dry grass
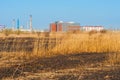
[96,43]
[68,43]
[104,48]
[113,59]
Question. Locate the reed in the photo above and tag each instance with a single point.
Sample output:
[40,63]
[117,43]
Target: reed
[85,43]
[50,44]
[21,53]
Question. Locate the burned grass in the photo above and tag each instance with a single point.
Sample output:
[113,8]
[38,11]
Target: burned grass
[53,64]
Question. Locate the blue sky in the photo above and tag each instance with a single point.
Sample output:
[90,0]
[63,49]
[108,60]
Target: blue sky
[85,12]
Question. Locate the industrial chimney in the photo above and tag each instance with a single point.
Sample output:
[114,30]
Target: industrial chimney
[13,24]
[31,23]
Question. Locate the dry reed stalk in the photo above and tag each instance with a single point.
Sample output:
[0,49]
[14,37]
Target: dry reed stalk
[69,43]
[96,43]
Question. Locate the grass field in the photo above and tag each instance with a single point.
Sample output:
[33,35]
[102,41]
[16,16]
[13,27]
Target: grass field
[60,56]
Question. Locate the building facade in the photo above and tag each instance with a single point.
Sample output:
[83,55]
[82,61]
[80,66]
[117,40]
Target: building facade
[2,27]
[61,26]
[91,28]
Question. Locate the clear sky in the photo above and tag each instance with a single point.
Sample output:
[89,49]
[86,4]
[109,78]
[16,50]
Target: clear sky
[85,12]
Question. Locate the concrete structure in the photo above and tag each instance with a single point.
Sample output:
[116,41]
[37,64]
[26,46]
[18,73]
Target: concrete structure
[91,28]
[25,30]
[22,28]
[61,26]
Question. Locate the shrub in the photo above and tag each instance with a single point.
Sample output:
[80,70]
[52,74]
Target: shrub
[92,32]
[103,31]
[7,32]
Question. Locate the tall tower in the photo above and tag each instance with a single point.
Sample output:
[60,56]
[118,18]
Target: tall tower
[13,24]
[18,25]
[27,24]
[31,23]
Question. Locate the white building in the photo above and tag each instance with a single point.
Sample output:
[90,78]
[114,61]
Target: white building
[91,28]
[2,27]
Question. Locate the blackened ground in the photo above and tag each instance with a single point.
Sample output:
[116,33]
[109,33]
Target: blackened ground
[84,66]
[55,63]
[25,44]
[111,74]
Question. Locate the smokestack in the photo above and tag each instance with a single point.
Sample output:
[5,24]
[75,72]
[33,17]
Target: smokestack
[31,23]
[13,24]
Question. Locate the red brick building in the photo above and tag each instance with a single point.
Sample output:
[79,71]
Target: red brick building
[64,26]
[53,27]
